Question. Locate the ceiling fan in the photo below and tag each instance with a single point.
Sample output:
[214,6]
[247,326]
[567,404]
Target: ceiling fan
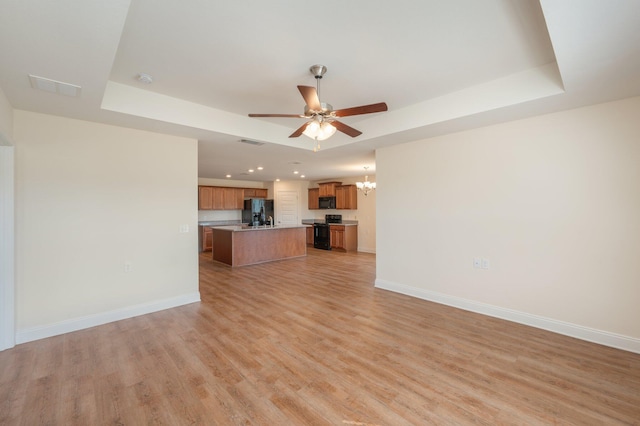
[322,122]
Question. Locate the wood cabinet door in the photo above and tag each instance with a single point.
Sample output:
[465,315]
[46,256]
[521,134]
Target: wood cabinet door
[340,198]
[249,193]
[205,198]
[313,203]
[218,198]
[207,238]
[232,198]
[309,235]
[261,193]
[328,189]
[337,236]
[346,197]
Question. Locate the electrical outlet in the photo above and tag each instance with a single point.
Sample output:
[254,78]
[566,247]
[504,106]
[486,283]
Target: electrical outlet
[485,263]
[477,262]
[184,229]
[128,267]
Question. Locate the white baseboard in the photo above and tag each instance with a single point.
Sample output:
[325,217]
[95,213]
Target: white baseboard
[580,332]
[367,250]
[75,324]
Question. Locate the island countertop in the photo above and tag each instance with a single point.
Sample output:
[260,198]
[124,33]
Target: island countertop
[240,246]
[244,228]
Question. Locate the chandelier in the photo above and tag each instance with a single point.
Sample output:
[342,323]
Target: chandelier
[366,186]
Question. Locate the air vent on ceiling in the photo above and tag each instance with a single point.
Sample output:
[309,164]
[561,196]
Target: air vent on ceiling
[54,86]
[250,142]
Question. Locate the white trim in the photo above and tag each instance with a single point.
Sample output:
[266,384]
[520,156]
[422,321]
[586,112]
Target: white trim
[568,329]
[367,250]
[7,248]
[75,324]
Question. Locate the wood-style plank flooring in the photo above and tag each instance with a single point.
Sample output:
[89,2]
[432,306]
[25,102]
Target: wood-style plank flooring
[309,341]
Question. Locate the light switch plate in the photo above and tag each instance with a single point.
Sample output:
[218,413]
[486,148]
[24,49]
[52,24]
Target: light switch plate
[485,263]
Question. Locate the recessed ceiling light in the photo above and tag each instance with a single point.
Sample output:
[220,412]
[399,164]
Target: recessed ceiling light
[228,176]
[250,170]
[278,180]
[295,172]
[260,168]
[301,176]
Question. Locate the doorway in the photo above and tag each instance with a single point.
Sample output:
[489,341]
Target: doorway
[287,208]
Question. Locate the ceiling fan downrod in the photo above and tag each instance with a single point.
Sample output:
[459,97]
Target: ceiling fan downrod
[318,71]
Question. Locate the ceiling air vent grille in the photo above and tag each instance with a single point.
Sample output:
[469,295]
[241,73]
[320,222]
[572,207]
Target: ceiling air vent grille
[250,142]
[54,86]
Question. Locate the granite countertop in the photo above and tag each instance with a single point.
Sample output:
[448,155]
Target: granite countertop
[243,228]
[344,222]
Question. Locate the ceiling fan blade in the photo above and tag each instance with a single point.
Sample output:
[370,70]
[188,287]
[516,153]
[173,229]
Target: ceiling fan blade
[364,109]
[277,115]
[310,96]
[299,131]
[346,129]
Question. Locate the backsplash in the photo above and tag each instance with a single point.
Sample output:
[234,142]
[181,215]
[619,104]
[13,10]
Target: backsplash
[209,215]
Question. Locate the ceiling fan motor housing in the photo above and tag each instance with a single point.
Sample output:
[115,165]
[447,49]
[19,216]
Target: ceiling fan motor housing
[318,70]
[326,110]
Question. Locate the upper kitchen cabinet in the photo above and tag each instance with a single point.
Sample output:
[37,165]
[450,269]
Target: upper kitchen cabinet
[220,198]
[313,203]
[232,198]
[346,197]
[205,198]
[328,189]
[255,193]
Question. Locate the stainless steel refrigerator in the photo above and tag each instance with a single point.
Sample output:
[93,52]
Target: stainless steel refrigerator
[257,211]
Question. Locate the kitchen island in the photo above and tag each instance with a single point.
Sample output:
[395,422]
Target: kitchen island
[241,245]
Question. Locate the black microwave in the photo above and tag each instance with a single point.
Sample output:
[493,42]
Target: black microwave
[327,202]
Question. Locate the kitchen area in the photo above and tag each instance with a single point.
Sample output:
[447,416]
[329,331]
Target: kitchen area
[238,226]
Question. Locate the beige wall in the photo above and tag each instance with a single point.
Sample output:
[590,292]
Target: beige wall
[6,120]
[91,198]
[553,202]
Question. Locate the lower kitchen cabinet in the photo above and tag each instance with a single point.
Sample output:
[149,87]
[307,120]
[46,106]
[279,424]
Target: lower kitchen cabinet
[206,238]
[344,238]
[310,235]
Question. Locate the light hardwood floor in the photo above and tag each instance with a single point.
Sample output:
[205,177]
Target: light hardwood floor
[309,341]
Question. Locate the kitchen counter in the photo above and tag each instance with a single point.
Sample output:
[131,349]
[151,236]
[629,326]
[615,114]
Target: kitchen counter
[204,232]
[322,221]
[238,245]
[243,228]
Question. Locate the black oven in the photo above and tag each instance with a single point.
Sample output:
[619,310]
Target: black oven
[321,231]
[321,236]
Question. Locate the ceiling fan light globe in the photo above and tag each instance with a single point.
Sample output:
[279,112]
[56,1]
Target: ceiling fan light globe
[312,130]
[326,131]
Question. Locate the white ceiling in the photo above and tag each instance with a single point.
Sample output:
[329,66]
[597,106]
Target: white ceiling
[441,66]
